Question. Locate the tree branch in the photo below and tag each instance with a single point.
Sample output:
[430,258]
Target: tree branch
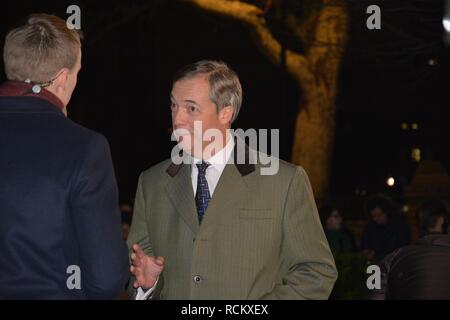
[252,16]
[331,28]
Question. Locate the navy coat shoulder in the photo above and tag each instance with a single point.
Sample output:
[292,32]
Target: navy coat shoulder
[58,207]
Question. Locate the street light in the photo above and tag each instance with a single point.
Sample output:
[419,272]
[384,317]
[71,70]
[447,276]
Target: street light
[446,22]
[390,182]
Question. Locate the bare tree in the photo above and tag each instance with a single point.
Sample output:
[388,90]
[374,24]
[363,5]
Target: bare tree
[321,28]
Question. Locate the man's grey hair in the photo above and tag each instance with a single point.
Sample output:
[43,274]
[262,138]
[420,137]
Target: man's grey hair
[225,87]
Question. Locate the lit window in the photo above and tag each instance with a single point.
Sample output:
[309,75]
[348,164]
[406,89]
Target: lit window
[415,126]
[404,126]
[416,154]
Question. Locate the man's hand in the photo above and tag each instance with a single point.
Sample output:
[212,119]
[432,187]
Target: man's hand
[146,269]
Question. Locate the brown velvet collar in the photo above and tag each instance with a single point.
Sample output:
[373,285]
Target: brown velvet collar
[22,89]
[244,168]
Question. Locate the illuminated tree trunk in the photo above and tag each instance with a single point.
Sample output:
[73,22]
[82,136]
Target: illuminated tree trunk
[324,35]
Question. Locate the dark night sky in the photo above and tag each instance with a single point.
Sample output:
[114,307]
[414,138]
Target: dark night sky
[386,79]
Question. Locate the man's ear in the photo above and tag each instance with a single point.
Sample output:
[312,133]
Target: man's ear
[61,80]
[226,114]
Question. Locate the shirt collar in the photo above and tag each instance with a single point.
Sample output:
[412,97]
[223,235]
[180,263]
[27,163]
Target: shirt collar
[221,158]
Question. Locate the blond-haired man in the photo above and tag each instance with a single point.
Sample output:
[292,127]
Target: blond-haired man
[60,235]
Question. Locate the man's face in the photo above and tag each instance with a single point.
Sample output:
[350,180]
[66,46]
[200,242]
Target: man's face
[334,221]
[191,102]
[378,216]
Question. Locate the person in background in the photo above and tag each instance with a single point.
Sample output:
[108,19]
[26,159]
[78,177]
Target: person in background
[339,238]
[420,270]
[385,231]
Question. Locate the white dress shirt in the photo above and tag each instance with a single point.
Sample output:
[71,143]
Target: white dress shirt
[213,174]
[216,166]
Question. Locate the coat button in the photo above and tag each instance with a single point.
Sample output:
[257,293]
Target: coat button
[197,279]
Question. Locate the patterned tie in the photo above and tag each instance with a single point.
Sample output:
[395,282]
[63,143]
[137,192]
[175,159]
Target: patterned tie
[202,197]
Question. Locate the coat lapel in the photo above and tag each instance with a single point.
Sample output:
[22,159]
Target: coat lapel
[229,191]
[181,194]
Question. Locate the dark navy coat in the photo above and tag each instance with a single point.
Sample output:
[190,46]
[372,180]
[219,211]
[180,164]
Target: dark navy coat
[58,207]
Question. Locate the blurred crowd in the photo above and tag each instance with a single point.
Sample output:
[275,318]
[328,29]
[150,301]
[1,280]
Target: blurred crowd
[410,269]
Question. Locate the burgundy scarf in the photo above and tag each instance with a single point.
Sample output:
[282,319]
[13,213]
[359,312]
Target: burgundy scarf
[22,89]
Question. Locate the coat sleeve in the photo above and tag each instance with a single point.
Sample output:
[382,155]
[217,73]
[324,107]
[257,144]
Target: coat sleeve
[96,218]
[385,267]
[139,234]
[307,267]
